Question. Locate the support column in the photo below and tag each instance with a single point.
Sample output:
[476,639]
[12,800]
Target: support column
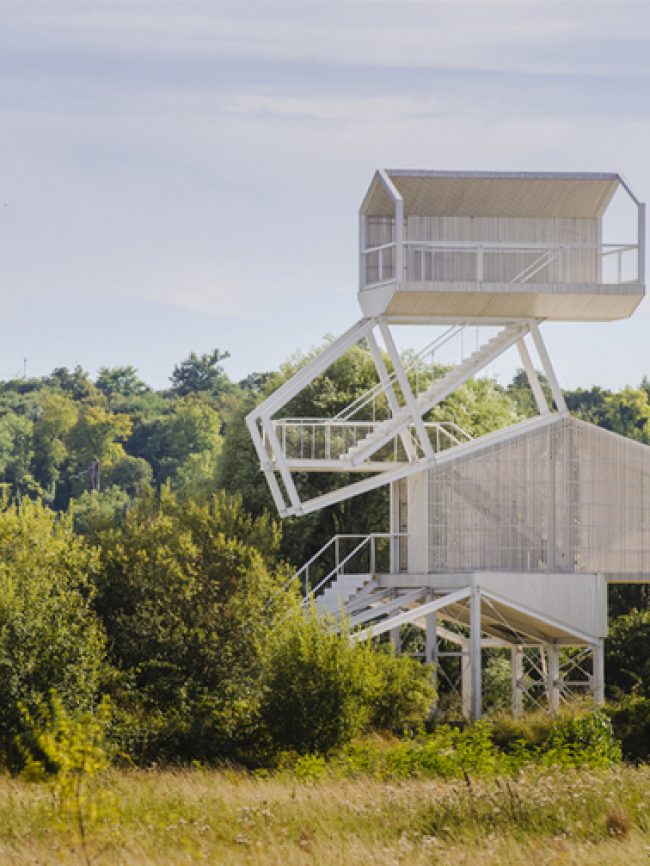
[475,652]
[466,680]
[431,644]
[517,659]
[396,640]
[431,653]
[553,678]
[598,678]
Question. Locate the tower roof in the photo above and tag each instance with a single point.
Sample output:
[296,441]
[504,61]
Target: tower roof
[492,194]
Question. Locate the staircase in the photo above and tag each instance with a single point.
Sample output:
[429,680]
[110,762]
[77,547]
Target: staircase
[339,592]
[437,391]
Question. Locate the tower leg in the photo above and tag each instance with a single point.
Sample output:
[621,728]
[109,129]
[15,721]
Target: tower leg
[466,680]
[475,653]
[553,678]
[517,658]
[598,678]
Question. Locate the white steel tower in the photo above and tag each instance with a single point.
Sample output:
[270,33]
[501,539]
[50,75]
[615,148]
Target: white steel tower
[504,542]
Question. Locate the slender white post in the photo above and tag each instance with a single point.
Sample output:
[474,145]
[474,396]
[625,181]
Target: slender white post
[475,652]
[431,648]
[466,680]
[641,242]
[517,658]
[362,250]
[431,645]
[556,391]
[533,379]
[553,678]
[406,391]
[598,678]
[393,403]
[399,242]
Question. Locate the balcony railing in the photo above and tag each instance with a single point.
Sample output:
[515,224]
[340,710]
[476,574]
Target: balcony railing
[331,439]
[460,261]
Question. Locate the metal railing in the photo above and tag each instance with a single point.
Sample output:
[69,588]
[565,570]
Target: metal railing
[447,261]
[331,439]
[368,545]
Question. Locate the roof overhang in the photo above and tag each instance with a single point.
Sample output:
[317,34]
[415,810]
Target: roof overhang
[583,195]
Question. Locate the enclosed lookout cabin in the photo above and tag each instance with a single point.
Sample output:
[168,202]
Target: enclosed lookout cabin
[499,244]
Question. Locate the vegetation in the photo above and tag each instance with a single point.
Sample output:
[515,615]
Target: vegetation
[145,620]
[196,816]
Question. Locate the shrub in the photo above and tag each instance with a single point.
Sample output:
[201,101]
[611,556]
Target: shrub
[627,656]
[631,723]
[401,691]
[582,740]
[314,687]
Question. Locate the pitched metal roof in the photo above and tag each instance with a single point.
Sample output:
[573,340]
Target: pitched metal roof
[492,194]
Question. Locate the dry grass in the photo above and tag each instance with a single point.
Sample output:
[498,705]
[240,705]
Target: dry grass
[162,817]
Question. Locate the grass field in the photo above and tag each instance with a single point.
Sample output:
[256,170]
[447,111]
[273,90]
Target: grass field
[197,816]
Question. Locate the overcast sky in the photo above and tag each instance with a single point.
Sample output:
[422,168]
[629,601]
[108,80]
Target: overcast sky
[177,176]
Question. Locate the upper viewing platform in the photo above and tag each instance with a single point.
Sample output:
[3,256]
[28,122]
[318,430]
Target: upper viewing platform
[542,245]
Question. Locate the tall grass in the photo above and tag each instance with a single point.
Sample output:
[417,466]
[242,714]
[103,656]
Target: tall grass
[197,816]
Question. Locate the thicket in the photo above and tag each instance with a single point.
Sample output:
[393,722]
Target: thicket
[138,561]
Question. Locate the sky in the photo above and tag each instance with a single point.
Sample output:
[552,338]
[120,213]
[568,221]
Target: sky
[179,176]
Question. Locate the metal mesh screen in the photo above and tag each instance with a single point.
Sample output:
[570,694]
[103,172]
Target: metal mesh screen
[568,497]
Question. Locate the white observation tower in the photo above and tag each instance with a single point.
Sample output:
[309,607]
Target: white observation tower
[504,542]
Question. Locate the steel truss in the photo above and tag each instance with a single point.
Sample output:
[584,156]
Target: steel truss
[346,443]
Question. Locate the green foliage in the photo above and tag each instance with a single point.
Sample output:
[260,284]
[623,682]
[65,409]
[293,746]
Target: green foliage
[120,381]
[576,737]
[631,723]
[71,751]
[494,747]
[68,747]
[201,373]
[314,686]
[49,634]
[627,657]
[401,691]
[320,689]
[187,601]
[584,739]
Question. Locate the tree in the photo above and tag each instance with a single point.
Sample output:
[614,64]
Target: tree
[56,416]
[628,655]
[187,595]
[201,373]
[49,635]
[191,431]
[17,452]
[96,437]
[120,381]
[76,383]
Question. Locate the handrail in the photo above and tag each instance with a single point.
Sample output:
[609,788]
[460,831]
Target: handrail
[313,434]
[437,343]
[340,564]
[547,254]
[518,247]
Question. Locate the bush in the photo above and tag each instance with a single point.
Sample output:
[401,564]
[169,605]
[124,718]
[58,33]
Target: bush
[631,723]
[582,740]
[315,686]
[627,656]
[401,692]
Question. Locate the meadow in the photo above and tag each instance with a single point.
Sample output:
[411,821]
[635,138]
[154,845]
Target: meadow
[545,816]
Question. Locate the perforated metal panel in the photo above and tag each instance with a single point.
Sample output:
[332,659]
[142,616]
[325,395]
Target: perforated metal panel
[568,497]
